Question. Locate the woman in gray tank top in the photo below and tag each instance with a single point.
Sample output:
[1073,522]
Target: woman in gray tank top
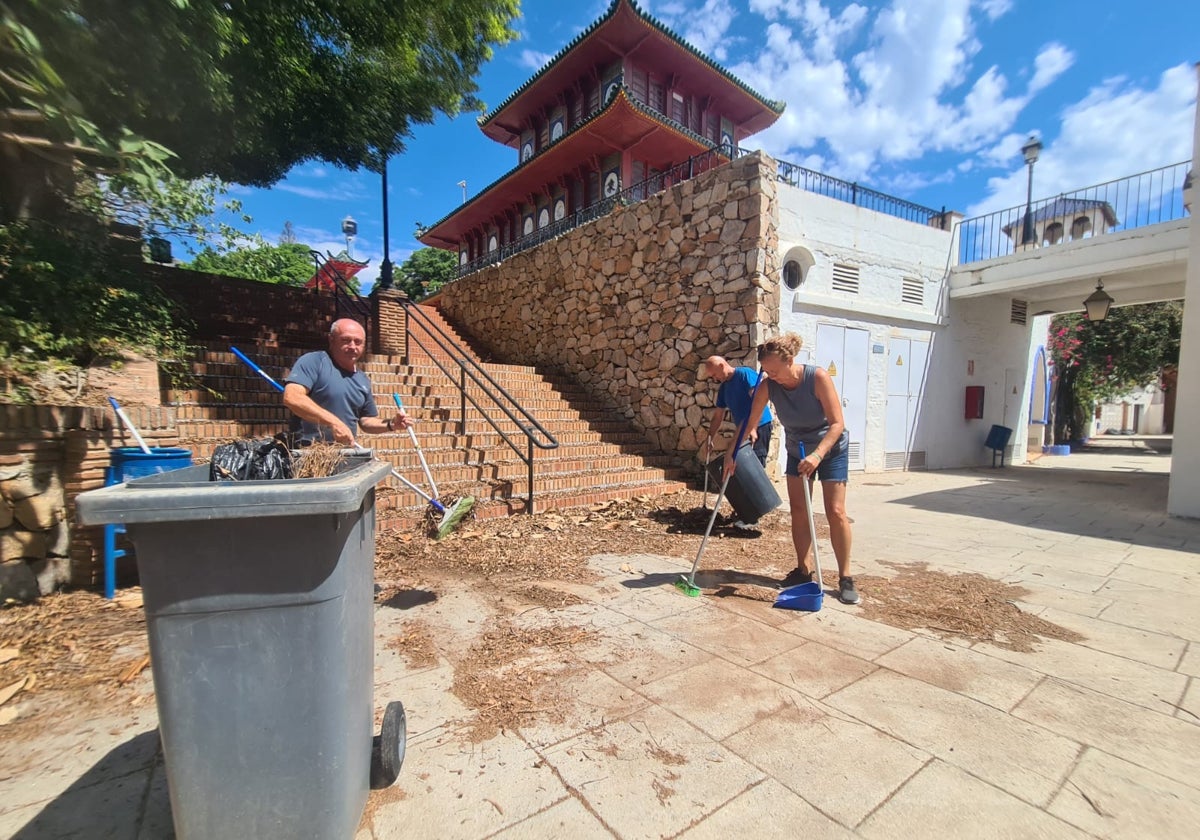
[807,404]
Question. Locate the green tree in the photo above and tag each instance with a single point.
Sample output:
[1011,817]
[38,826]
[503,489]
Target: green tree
[1095,361]
[426,271]
[288,264]
[246,90]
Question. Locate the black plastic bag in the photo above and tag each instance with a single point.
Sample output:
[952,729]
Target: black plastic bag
[250,460]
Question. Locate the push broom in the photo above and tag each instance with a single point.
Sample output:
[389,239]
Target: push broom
[687,584]
[452,515]
[449,518]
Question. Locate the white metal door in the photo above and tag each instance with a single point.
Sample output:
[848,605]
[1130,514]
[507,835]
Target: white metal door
[842,351]
[906,373]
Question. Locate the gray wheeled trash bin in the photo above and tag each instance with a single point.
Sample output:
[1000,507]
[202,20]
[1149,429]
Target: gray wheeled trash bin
[750,492]
[259,606]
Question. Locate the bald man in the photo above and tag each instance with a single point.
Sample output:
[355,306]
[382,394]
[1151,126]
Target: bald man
[737,384]
[331,396]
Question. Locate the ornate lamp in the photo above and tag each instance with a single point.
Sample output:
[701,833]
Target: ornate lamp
[1031,150]
[1097,303]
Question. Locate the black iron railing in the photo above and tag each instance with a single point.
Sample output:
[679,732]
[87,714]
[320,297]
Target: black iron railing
[854,193]
[1124,204]
[640,191]
[487,396]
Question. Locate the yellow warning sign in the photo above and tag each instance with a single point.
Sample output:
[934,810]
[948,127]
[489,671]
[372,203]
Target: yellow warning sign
[899,361]
[832,368]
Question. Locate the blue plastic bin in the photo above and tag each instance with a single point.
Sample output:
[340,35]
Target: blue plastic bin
[125,464]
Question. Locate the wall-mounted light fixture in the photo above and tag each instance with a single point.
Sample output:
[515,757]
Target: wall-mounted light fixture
[1097,303]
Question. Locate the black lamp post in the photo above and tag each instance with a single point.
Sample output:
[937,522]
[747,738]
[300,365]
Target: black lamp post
[385,267]
[1030,150]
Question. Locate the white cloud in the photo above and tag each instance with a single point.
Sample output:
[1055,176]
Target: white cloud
[344,191]
[1103,137]
[705,27]
[995,8]
[533,59]
[889,85]
[1051,62]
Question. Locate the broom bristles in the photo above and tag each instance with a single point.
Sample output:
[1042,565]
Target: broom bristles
[454,515]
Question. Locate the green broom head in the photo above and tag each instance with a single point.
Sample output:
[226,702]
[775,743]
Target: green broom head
[454,514]
[687,587]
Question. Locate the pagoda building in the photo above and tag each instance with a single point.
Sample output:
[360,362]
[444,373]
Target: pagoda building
[619,106]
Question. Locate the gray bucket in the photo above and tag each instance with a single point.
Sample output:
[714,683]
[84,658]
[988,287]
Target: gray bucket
[750,492]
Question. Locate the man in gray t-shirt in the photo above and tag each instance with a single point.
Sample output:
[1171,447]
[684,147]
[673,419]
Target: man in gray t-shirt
[331,396]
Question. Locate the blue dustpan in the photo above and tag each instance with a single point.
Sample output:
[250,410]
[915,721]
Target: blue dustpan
[805,596]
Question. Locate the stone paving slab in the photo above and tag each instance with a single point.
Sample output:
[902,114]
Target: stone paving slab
[714,717]
[1112,798]
[820,754]
[1156,741]
[1025,760]
[963,671]
[945,801]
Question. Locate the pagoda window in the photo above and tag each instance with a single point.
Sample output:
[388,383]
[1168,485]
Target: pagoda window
[526,146]
[638,85]
[677,108]
[593,99]
[560,208]
[543,217]
[544,136]
[556,129]
[528,226]
[593,187]
[612,86]
[658,97]
[713,132]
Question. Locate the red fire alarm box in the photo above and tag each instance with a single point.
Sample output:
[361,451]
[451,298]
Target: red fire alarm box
[974,402]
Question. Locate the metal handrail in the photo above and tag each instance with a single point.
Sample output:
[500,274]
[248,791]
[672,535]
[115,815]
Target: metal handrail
[854,193]
[1146,198]
[468,368]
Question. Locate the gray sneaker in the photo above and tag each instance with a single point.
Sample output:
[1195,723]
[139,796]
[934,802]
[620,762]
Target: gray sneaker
[846,591]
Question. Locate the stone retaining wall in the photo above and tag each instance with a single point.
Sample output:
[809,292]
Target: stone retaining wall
[632,303]
[48,456]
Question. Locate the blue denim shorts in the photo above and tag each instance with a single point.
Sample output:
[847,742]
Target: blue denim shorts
[835,466]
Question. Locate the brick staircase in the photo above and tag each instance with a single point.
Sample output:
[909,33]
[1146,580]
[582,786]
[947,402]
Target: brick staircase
[598,457]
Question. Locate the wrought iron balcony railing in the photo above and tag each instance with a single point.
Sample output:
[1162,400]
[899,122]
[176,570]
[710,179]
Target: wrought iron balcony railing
[1124,204]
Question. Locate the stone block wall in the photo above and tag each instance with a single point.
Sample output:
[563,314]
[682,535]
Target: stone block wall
[48,456]
[632,303]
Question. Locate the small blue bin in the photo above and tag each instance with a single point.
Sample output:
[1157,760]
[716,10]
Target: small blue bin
[125,464]
[804,596]
[130,462]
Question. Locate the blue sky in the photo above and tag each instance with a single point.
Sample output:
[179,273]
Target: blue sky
[929,100]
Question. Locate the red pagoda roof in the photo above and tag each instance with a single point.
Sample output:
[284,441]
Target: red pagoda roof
[627,30]
[620,124]
[327,274]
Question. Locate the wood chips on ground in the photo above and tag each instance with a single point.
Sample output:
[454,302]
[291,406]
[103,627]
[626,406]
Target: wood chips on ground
[967,605]
[512,676]
[415,645]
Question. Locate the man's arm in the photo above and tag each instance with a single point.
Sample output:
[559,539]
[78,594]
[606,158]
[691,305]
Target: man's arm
[297,400]
[717,419]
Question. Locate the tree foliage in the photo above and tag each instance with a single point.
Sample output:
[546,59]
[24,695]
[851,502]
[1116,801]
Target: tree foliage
[426,271]
[246,90]
[1095,361]
[288,264]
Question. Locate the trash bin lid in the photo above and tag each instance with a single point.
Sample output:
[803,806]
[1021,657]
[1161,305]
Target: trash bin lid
[186,495]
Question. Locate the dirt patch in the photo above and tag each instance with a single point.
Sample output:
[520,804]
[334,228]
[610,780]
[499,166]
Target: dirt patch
[967,605]
[512,676]
[72,650]
[415,644]
[665,756]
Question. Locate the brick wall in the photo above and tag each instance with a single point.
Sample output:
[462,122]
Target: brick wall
[232,309]
[48,456]
[632,303]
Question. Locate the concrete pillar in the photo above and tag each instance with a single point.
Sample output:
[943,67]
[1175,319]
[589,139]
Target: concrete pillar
[1184,496]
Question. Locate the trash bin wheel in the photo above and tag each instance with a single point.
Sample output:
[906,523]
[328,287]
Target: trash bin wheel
[387,752]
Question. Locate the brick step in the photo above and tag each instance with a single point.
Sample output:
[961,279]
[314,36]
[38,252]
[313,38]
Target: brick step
[544,411]
[412,518]
[257,426]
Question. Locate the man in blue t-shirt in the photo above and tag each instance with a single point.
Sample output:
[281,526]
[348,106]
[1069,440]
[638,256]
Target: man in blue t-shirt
[733,397]
[331,396]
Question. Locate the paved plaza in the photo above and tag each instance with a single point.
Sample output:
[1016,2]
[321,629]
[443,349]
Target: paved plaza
[722,717]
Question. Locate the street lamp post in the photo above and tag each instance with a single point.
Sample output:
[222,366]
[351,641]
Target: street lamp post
[349,230]
[385,268]
[1030,150]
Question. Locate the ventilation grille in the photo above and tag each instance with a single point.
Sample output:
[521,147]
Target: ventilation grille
[854,451]
[904,460]
[1020,310]
[912,290]
[845,278]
